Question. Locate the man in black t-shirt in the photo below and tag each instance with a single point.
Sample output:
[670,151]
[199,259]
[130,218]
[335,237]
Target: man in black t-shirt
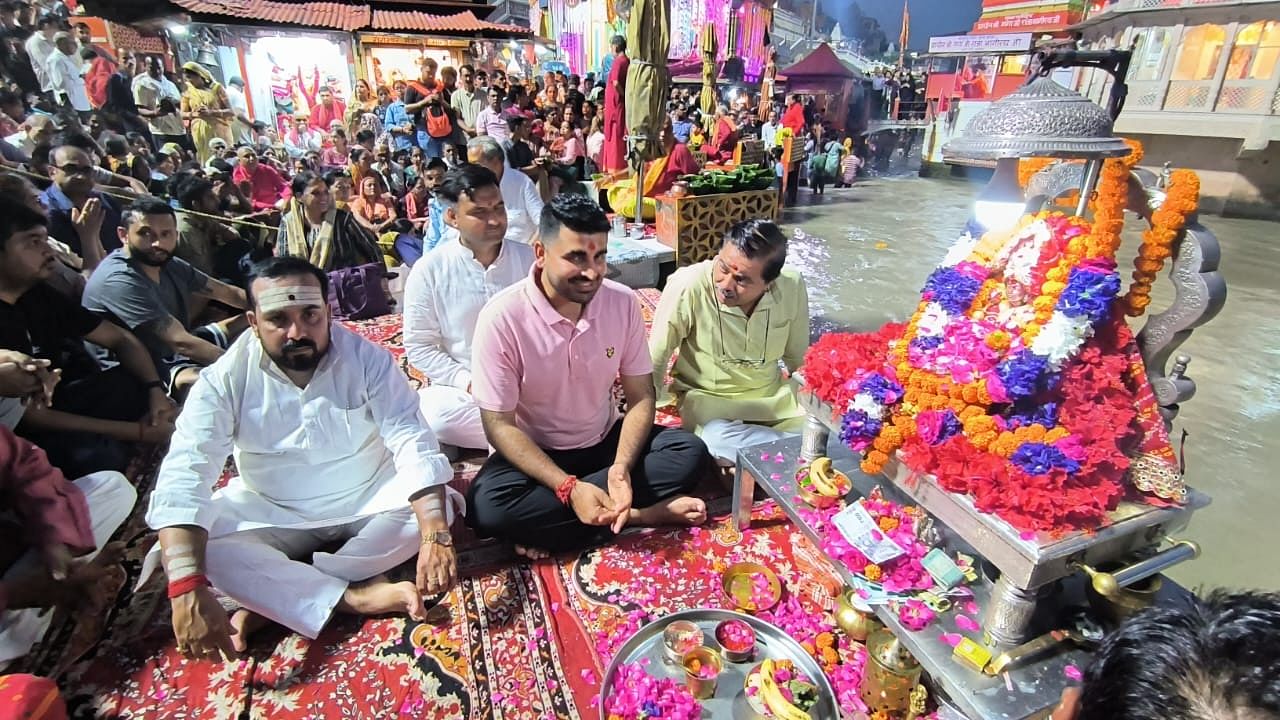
[96,415]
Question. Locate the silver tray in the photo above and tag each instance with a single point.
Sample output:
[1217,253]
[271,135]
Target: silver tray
[730,700]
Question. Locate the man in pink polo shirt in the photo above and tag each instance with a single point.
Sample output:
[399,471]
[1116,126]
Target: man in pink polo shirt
[547,350]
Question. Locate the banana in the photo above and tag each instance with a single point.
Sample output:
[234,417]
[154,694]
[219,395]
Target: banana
[773,699]
[819,477]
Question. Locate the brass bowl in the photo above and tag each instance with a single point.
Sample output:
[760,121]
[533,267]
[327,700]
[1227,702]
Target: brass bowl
[736,585]
[1125,602]
[813,497]
[855,617]
[702,687]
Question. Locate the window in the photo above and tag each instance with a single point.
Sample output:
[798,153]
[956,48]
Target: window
[1200,53]
[1014,64]
[1150,48]
[1256,52]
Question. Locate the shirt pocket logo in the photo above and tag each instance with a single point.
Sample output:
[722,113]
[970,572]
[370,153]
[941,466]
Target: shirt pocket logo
[608,352]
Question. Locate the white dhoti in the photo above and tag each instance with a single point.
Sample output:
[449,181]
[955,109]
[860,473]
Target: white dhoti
[277,573]
[111,499]
[453,416]
[724,438]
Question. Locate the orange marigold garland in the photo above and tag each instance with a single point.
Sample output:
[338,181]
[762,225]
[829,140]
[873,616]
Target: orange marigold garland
[1167,224]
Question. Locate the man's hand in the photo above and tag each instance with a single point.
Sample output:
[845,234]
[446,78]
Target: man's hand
[620,495]
[162,410]
[200,626]
[592,505]
[20,375]
[57,559]
[437,567]
[87,219]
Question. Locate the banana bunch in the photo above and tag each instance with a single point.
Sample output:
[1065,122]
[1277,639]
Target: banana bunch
[772,694]
[827,481]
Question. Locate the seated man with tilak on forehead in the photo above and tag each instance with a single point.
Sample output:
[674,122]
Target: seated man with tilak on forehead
[331,448]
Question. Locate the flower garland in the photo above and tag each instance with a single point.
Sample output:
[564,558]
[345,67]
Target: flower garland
[1167,223]
[975,389]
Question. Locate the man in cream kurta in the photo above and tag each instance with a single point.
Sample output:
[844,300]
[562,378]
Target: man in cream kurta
[444,295]
[733,322]
[330,447]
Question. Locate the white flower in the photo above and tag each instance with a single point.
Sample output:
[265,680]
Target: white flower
[866,404]
[933,320]
[960,250]
[1060,338]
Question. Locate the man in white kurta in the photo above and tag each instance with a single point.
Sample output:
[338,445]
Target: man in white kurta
[444,294]
[524,203]
[330,447]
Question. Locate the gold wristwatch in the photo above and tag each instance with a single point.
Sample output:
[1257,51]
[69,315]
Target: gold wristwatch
[441,537]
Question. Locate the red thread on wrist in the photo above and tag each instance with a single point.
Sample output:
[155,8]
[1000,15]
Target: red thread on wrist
[566,489]
[178,588]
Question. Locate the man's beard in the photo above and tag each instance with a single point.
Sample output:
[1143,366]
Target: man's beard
[148,258]
[291,359]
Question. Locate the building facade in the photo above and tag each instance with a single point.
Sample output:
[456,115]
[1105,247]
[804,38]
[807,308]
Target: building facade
[1204,91]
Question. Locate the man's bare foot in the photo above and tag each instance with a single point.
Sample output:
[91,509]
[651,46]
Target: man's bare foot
[379,596]
[243,624]
[532,553]
[682,510]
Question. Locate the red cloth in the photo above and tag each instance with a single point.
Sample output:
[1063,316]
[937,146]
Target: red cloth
[679,162]
[615,118]
[50,508]
[96,80]
[793,118]
[27,697]
[722,145]
[321,115]
[266,186]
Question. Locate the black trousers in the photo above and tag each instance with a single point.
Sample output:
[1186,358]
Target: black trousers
[505,503]
[113,394]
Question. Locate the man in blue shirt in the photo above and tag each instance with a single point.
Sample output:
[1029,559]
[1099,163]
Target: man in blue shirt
[399,125]
[74,205]
[681,128]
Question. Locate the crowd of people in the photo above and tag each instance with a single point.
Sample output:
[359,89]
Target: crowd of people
[168,274]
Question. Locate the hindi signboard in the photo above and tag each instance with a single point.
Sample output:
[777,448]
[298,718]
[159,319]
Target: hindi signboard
[1009,43]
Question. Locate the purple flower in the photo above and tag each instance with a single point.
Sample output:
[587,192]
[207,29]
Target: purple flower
[1039,458]
[936,426]
[881,389]
[926,343]
[1026,413]
[857,429]
[1022,374]
[1089,293]
[953,291]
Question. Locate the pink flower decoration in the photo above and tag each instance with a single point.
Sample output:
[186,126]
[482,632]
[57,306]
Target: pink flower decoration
[951,639]
[966,623]
[915,615]
[1073,673]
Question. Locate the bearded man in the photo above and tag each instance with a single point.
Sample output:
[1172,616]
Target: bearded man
[145,289]
[331,450]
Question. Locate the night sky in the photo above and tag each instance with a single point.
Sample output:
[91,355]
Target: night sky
[928,17]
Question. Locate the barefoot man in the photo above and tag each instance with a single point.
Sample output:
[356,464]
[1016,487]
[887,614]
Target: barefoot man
[566,469]
[331,450]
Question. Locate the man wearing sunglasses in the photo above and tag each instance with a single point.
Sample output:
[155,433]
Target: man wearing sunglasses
[734,321]
[80,216]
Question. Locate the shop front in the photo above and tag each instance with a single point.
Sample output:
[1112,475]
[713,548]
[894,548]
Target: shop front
[389,58]
[283,71]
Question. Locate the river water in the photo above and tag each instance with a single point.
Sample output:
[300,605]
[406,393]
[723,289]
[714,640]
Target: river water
[866,251]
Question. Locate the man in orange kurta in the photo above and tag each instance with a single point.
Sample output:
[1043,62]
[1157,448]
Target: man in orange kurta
[615,116]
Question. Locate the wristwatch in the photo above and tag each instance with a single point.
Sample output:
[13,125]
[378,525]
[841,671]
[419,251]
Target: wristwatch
[441,537]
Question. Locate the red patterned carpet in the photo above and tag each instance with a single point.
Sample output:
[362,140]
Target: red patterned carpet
[518,641]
